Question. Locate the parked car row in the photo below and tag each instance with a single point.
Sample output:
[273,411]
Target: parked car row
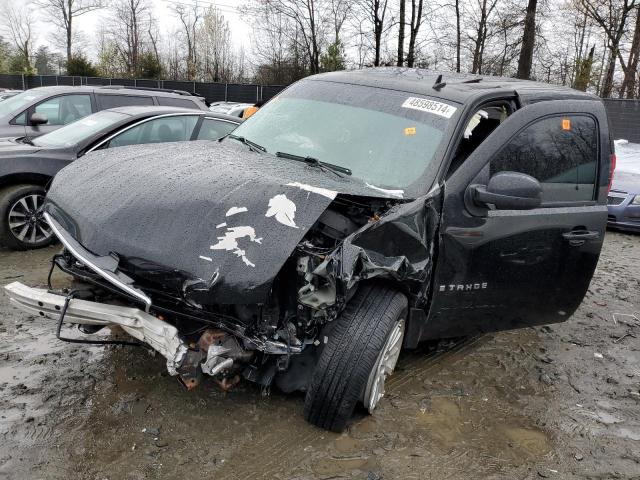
[27,164]
[41,110]
[358,214]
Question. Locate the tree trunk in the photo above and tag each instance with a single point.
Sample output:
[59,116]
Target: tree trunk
[416,20]
[629,82]
[607,83]
[401,34]
[528,41]
[458,36]
[480,39]
[69,38]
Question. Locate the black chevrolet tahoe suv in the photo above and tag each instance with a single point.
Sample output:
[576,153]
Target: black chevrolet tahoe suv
[356,214]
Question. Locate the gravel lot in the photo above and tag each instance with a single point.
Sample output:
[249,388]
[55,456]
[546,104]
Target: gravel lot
[553,402]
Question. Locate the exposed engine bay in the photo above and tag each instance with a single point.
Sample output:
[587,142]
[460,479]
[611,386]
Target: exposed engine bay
[256,341]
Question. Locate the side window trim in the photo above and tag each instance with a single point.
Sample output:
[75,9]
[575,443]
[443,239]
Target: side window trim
[567,203]
[135,124]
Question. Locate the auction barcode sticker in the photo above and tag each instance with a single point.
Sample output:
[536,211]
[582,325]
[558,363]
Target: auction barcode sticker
[431,106]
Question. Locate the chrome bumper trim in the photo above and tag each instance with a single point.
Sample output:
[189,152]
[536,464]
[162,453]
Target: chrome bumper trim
[85,257]
[161,336]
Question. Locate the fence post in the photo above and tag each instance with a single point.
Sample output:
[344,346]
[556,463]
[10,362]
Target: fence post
[226,88]
[40,79]
[194,87]
[23,84]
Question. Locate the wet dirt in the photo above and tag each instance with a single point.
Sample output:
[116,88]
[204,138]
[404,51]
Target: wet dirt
[560,401]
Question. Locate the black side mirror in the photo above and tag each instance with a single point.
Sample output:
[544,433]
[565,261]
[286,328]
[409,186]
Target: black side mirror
[38,119]
[509,191]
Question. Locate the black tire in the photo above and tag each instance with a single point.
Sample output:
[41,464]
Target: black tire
[357,337]
[9,198]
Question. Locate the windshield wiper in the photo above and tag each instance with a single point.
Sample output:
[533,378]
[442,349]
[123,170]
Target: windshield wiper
[314,162]
[252,145]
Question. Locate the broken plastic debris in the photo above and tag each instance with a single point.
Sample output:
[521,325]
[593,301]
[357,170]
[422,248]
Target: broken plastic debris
[598,355]
[234,210]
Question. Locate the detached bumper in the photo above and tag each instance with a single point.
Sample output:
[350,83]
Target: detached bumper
[161,336]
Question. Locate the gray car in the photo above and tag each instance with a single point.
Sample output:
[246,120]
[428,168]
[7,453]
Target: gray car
[41,110]
[624,198]
[28,165]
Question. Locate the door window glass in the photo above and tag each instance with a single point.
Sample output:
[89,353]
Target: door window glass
[65,109]
[113,101]
[561,152]
[165,129]
[215,129]
[20,119]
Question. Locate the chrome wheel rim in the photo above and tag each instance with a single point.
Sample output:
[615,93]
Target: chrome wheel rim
[26,221]
[384,366]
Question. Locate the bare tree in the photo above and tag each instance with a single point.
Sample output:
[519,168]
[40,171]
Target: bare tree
[62,14]
[483,11]
[189,18]
[307,18]
[375,11]
[19,25]
[612,16]
[129,26]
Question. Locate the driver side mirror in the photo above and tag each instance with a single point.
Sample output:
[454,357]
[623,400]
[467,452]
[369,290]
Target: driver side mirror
[508,191]
[38,119]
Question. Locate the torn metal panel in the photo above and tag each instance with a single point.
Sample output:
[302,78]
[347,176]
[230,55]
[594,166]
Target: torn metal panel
[398,247]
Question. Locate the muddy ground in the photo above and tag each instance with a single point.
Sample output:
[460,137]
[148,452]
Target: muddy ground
[551,402]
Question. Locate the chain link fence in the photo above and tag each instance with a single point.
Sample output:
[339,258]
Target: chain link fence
[211,91]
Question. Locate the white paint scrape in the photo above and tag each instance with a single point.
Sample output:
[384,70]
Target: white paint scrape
[230,242]
[234,210]
[310,188]
[394,193]
[220,225]
[208,259]
[283,209]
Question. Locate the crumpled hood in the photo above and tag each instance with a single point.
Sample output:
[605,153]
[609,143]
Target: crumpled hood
[226,217]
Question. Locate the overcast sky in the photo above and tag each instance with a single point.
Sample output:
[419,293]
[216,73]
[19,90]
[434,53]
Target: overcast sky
[89,23]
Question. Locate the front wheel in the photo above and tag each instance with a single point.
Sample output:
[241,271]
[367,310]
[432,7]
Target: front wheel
[22,226]
[361,352]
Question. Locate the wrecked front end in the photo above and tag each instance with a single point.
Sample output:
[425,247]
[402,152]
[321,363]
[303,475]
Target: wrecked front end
[233,281]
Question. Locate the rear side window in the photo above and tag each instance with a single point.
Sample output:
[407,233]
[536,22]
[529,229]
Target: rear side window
[214,129]
[163,129]
[561,152]
[176,102]
[113,101]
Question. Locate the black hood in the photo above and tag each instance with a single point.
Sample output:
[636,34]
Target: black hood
[222,215]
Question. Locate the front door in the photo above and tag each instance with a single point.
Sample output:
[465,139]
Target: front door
[502,269]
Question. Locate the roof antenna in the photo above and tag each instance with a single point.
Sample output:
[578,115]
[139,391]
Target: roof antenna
[439,83]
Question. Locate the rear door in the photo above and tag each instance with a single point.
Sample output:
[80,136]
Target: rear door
[501,269]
